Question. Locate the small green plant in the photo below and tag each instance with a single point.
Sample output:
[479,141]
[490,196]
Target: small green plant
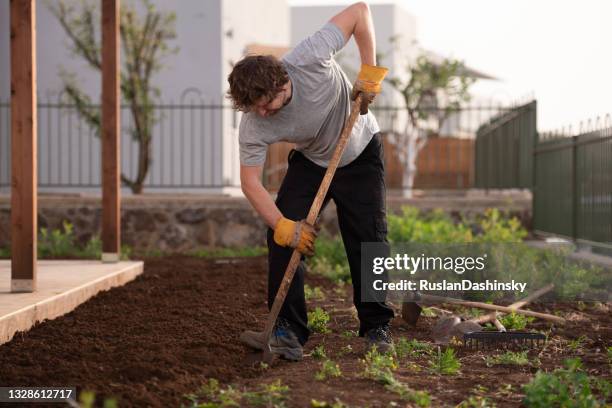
[379,367]
[508,358]
[515,321]
[609,353]
[211,395]
[577,343]
[328,369]
[235,252]
[565,387]
[269,395]
[318,320]
[314,403]
[413,347]
[315,293]
[318,352]
[476,401]
[349,334]
[445,363]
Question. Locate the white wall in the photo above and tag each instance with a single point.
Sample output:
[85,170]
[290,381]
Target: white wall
[390,21]
[211,35]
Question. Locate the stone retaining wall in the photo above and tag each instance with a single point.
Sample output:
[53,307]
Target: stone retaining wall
[183,223]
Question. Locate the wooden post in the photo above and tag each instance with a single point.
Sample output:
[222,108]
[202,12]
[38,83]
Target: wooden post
[23,146]
[111,211]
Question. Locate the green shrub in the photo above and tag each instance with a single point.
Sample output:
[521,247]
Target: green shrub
[318,320]
[436,227]
[566,387]
[5,253]
[57,243]
[330,259]
[62,243]
[328,369]
[445,363]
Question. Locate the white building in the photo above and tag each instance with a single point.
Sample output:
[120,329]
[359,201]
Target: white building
[211,35]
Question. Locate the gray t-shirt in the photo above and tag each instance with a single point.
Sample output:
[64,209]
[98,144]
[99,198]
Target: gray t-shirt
[319,106]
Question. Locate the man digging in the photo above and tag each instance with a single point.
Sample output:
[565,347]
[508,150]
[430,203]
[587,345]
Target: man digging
[305,99]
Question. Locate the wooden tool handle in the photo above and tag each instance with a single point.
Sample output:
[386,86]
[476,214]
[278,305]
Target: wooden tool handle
[517,305]
[312,217]
[488,306]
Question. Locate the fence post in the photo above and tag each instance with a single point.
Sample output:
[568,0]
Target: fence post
[574,188]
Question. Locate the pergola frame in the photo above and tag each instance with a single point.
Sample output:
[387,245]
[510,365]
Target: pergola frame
[24,140]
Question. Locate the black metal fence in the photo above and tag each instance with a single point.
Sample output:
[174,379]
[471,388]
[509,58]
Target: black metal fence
[504,149]
[572,195]
[570,174]
[193,145]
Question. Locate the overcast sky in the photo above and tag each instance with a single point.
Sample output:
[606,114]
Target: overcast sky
[559,50]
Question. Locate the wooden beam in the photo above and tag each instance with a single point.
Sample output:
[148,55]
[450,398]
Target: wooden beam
[23,146]
[111,210]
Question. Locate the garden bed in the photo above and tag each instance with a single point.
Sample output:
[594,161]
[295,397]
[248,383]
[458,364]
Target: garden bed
[170,331]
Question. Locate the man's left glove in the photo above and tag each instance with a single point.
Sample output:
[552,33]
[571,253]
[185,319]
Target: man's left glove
[299,235]
[368,83]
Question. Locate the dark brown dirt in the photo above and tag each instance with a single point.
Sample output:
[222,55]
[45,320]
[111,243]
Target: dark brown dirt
[163,335]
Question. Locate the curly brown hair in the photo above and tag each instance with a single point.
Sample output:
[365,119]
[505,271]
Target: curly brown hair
[253,77]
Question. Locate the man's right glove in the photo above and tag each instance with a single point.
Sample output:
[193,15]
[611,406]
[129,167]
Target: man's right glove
[299,235]
[368,83]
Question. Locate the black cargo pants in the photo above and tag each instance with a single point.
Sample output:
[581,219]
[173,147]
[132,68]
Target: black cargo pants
[358,190]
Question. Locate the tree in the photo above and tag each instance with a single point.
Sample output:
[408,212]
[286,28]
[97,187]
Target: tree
[432,92]
[144,45]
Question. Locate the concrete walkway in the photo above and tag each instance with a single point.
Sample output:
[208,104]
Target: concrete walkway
[61,287]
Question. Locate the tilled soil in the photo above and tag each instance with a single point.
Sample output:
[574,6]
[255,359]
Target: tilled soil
[165,334]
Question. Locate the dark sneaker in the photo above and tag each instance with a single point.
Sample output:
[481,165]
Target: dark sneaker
[283,341]
[381,338]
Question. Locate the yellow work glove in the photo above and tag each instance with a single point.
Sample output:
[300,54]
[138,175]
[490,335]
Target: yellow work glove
[299,235]
[368,83]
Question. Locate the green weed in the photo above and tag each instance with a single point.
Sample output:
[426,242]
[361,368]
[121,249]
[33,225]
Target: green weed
[515,321]
[87,399]
[445,363]
[413,347]
[577,343]
[318,320]
[328,369]
[565,387]
[508,358]
[315,293]
[269,395]
[476,401]
[318,352]
[314,403]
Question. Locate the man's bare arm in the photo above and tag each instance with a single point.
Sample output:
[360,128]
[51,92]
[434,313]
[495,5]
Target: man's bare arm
[356,20]
[258,196]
